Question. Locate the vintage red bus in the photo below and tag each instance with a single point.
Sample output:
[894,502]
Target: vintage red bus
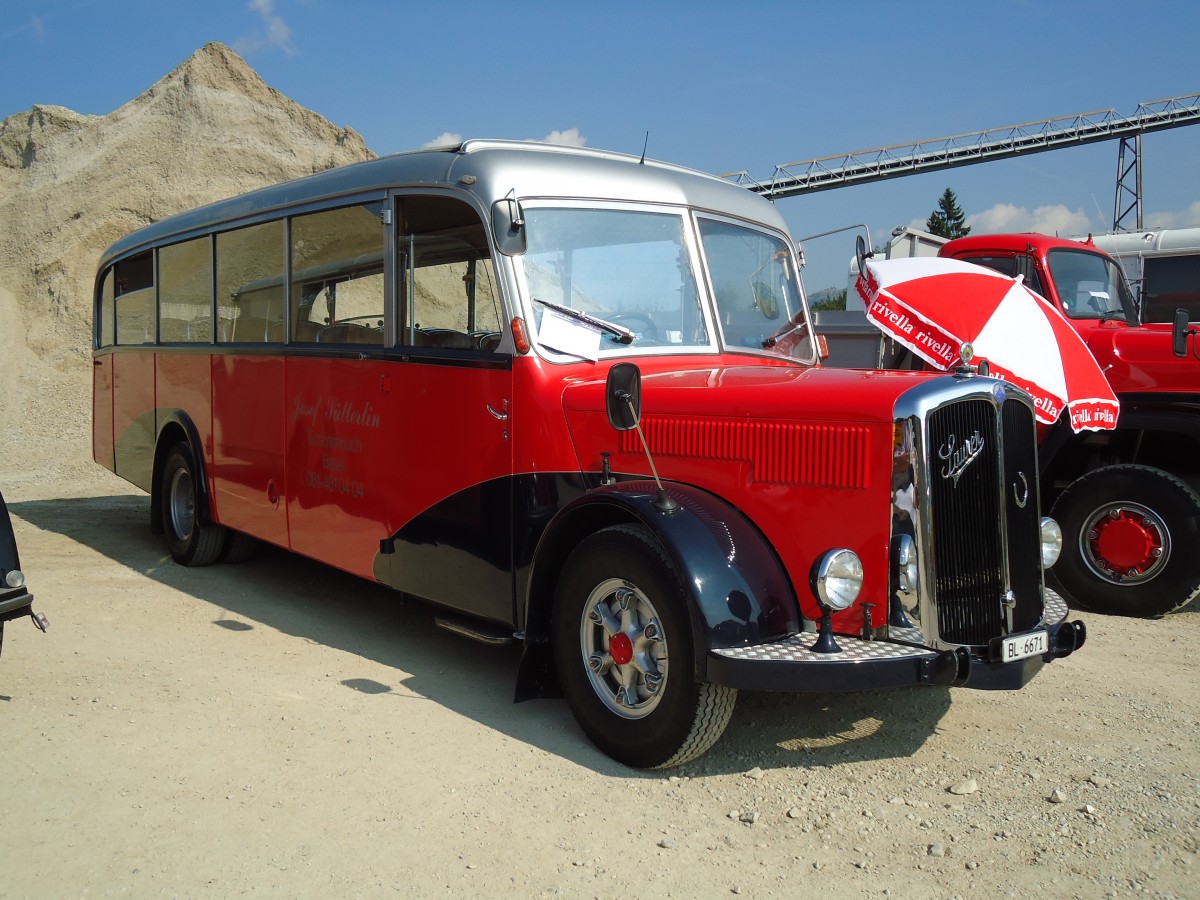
[462,372]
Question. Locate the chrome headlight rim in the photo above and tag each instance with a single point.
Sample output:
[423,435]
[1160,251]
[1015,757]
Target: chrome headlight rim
[1051,541]
[837,579]
[14,578]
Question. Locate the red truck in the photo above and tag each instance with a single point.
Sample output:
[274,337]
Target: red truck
[1127,500]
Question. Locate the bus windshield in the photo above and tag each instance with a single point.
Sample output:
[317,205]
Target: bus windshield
[635,269]
[1090,286]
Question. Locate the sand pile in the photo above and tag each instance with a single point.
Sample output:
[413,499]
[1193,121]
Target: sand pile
[72,184]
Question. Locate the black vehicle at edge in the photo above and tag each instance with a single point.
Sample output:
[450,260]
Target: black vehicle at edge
[15,599]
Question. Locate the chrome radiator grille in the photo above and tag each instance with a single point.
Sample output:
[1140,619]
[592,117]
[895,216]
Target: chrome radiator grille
[982,479]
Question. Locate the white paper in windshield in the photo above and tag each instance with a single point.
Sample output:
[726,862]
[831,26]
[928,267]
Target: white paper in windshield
[567,335]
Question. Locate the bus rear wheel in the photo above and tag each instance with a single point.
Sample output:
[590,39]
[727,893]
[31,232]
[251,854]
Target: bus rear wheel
[191,542]
[624,652]
[1130,534]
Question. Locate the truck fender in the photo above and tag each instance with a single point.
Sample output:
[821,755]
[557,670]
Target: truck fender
[739,592]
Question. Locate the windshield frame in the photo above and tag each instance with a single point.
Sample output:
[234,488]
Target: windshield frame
[1126,310]
[533,308]
[780,337]
[700,275]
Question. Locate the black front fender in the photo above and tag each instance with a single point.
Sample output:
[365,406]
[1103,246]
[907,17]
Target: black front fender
[738,590]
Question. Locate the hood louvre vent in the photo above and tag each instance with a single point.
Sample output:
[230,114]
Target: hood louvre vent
[778,452]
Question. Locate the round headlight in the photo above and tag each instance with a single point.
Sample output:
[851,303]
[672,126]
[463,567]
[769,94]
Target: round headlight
[907,573]
[838,578]
[1051,542]
[15,578]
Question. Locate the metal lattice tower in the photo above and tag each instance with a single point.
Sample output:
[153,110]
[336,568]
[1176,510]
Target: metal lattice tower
[1128,203]
[863,166]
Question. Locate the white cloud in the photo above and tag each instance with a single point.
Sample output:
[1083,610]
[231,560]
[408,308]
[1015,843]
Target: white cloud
[277,33]
[1184,218]
[445,139]
[1054,219]
[569,138]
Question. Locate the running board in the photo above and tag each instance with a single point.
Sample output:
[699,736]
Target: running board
[484,633]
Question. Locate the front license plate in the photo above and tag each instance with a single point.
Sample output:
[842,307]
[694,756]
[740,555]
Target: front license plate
[1022,646]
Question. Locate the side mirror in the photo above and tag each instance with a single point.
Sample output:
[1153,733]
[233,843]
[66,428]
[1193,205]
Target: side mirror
[1179,332]
[623,396]
[861,255]
[508,224]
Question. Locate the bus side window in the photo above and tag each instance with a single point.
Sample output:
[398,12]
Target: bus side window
[134,298]
[250,284]
[106,315]
[337,276]
[185,289]
[446,285]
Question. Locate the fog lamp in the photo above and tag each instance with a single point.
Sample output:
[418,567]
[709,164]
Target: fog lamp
[15,579]
[1051,542]
[838,579]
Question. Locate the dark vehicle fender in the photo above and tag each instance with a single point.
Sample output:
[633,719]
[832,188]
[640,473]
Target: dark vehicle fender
[1147,423]
[174,427]
[738,590]
[9,559]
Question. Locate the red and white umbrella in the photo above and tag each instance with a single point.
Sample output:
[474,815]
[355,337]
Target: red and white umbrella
[935,307]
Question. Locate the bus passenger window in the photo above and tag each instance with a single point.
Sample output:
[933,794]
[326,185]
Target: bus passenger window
[250,284]
[337,276]
[105,318]
[134,296]
[185,288]
[446,286]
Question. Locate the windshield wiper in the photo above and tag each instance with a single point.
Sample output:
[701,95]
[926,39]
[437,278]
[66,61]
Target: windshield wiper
[792,326]
[621,335]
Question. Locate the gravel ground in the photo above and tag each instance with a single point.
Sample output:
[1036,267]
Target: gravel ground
[278,728]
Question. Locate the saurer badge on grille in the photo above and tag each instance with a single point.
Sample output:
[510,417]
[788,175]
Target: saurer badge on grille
[958,457]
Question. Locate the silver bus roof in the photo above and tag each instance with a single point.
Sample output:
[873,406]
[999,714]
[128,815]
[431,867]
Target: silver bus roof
[488,169]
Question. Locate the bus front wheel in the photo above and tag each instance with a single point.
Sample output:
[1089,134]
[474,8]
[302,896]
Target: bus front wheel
[624,652]
[191,542]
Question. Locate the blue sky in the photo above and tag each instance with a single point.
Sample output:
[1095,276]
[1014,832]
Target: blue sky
[720,87]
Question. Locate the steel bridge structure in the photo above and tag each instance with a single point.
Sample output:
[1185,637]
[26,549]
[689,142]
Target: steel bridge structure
[864,166]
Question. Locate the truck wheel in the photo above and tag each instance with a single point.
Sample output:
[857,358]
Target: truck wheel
[624,652]
[1130,535]
[191,542]
[238,547]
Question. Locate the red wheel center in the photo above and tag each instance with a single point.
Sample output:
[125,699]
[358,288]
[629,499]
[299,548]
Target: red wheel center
[620,648]
[1126,542]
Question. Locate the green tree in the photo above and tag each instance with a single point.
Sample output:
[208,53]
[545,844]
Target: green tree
[830,298]
[948,220]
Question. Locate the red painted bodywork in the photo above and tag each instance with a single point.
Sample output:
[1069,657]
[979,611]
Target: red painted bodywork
[804,453]
[330,455]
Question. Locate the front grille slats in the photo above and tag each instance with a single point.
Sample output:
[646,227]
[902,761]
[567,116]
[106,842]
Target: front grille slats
[1023,514]
[974,512]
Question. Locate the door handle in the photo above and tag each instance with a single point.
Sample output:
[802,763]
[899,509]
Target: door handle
[500,415]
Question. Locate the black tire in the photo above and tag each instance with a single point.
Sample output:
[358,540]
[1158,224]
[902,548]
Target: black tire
[191,542]
[641,703]
[1130,539]
[238,546]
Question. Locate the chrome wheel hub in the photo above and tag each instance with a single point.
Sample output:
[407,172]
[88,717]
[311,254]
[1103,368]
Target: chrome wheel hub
[181,505]
[623,646]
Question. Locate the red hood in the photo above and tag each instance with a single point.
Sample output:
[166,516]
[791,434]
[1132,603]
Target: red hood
[771,393]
